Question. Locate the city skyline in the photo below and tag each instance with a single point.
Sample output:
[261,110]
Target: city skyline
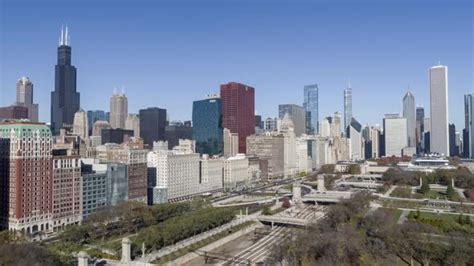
[96,85]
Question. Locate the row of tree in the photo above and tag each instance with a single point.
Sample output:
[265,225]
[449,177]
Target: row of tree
[352,236]
[463,178]
[181,227]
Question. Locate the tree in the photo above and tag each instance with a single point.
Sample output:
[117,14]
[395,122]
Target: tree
[353,169]
[425,186]
[327,169]
[266,211]
[450,193]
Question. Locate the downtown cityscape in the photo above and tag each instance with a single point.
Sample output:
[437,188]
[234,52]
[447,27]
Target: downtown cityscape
[244,172]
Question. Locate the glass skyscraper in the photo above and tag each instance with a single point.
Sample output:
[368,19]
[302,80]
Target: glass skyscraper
[95,115]
[207,126]
[347,106]
[311,106]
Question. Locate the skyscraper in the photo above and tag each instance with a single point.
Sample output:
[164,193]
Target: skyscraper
[133,123]
[26,180]
[468,132]
[453,148]
[207,125]
[347,106]
[238,111]
[118,110]
[395,134]
[410,115]
[152,125]
[420,126]
[439,137]
[95,115]
[297,114]
[24,97]
[354,132]
[65,100]
[81,125]
[311,105]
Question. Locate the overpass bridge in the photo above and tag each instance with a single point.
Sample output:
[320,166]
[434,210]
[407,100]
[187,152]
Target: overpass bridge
[327,196]
[280,220]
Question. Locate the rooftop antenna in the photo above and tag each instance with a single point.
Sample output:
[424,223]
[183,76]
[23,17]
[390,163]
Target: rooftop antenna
[349,83]
[66,37]
[123,89]
[61,39]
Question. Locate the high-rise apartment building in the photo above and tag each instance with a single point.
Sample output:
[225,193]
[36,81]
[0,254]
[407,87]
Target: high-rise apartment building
[439,137]
[26,176]
[24,97]
[65,100]
[152,124]
[347,107]
[297,114]
[207,125]
[238,110]
[409,112]
[118,110]
[311,106]
[395,134]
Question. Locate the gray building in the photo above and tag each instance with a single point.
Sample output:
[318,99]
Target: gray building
[117,183]
[468,132]
[311,106]
[395,134]
[439,136]
[420,126]
[347,106]
[94,188]
[297,114]
[24,97]
[409,112]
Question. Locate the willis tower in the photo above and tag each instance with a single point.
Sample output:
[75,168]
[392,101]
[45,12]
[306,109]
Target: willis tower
[65,100]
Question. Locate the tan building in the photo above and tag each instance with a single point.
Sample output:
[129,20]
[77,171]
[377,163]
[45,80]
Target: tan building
[118,110]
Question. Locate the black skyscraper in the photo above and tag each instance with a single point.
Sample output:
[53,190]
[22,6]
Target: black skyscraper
[65,100]
[152,125]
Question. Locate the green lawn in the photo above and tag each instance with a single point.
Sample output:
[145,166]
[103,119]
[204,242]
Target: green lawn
[444,221]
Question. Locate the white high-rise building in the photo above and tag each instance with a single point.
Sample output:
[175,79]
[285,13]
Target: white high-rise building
[289,147]
[354,132]
[395,132]
[81,126]
[439,133]
[236,172]
[231,143]
[347,107]
[210,177]
[178,174]
[118,110]
[133,123]
[409,112]
[325,128]
[303,162]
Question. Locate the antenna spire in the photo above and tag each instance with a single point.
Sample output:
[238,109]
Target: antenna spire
[66,37]
[61,38]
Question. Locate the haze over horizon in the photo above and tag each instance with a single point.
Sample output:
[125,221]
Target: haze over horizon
[170,54]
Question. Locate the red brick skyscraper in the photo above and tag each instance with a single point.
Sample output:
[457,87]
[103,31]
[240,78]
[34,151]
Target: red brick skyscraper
[238,111]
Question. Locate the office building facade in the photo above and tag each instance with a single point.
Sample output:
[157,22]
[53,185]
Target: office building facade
[24,97]
[152,124]
[298,116]
[409,112]
[207,125]
[439,137]
[238,110]
[118,110]
[311,106]
[395,134]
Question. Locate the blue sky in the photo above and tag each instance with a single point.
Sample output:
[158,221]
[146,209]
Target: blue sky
[170,53]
